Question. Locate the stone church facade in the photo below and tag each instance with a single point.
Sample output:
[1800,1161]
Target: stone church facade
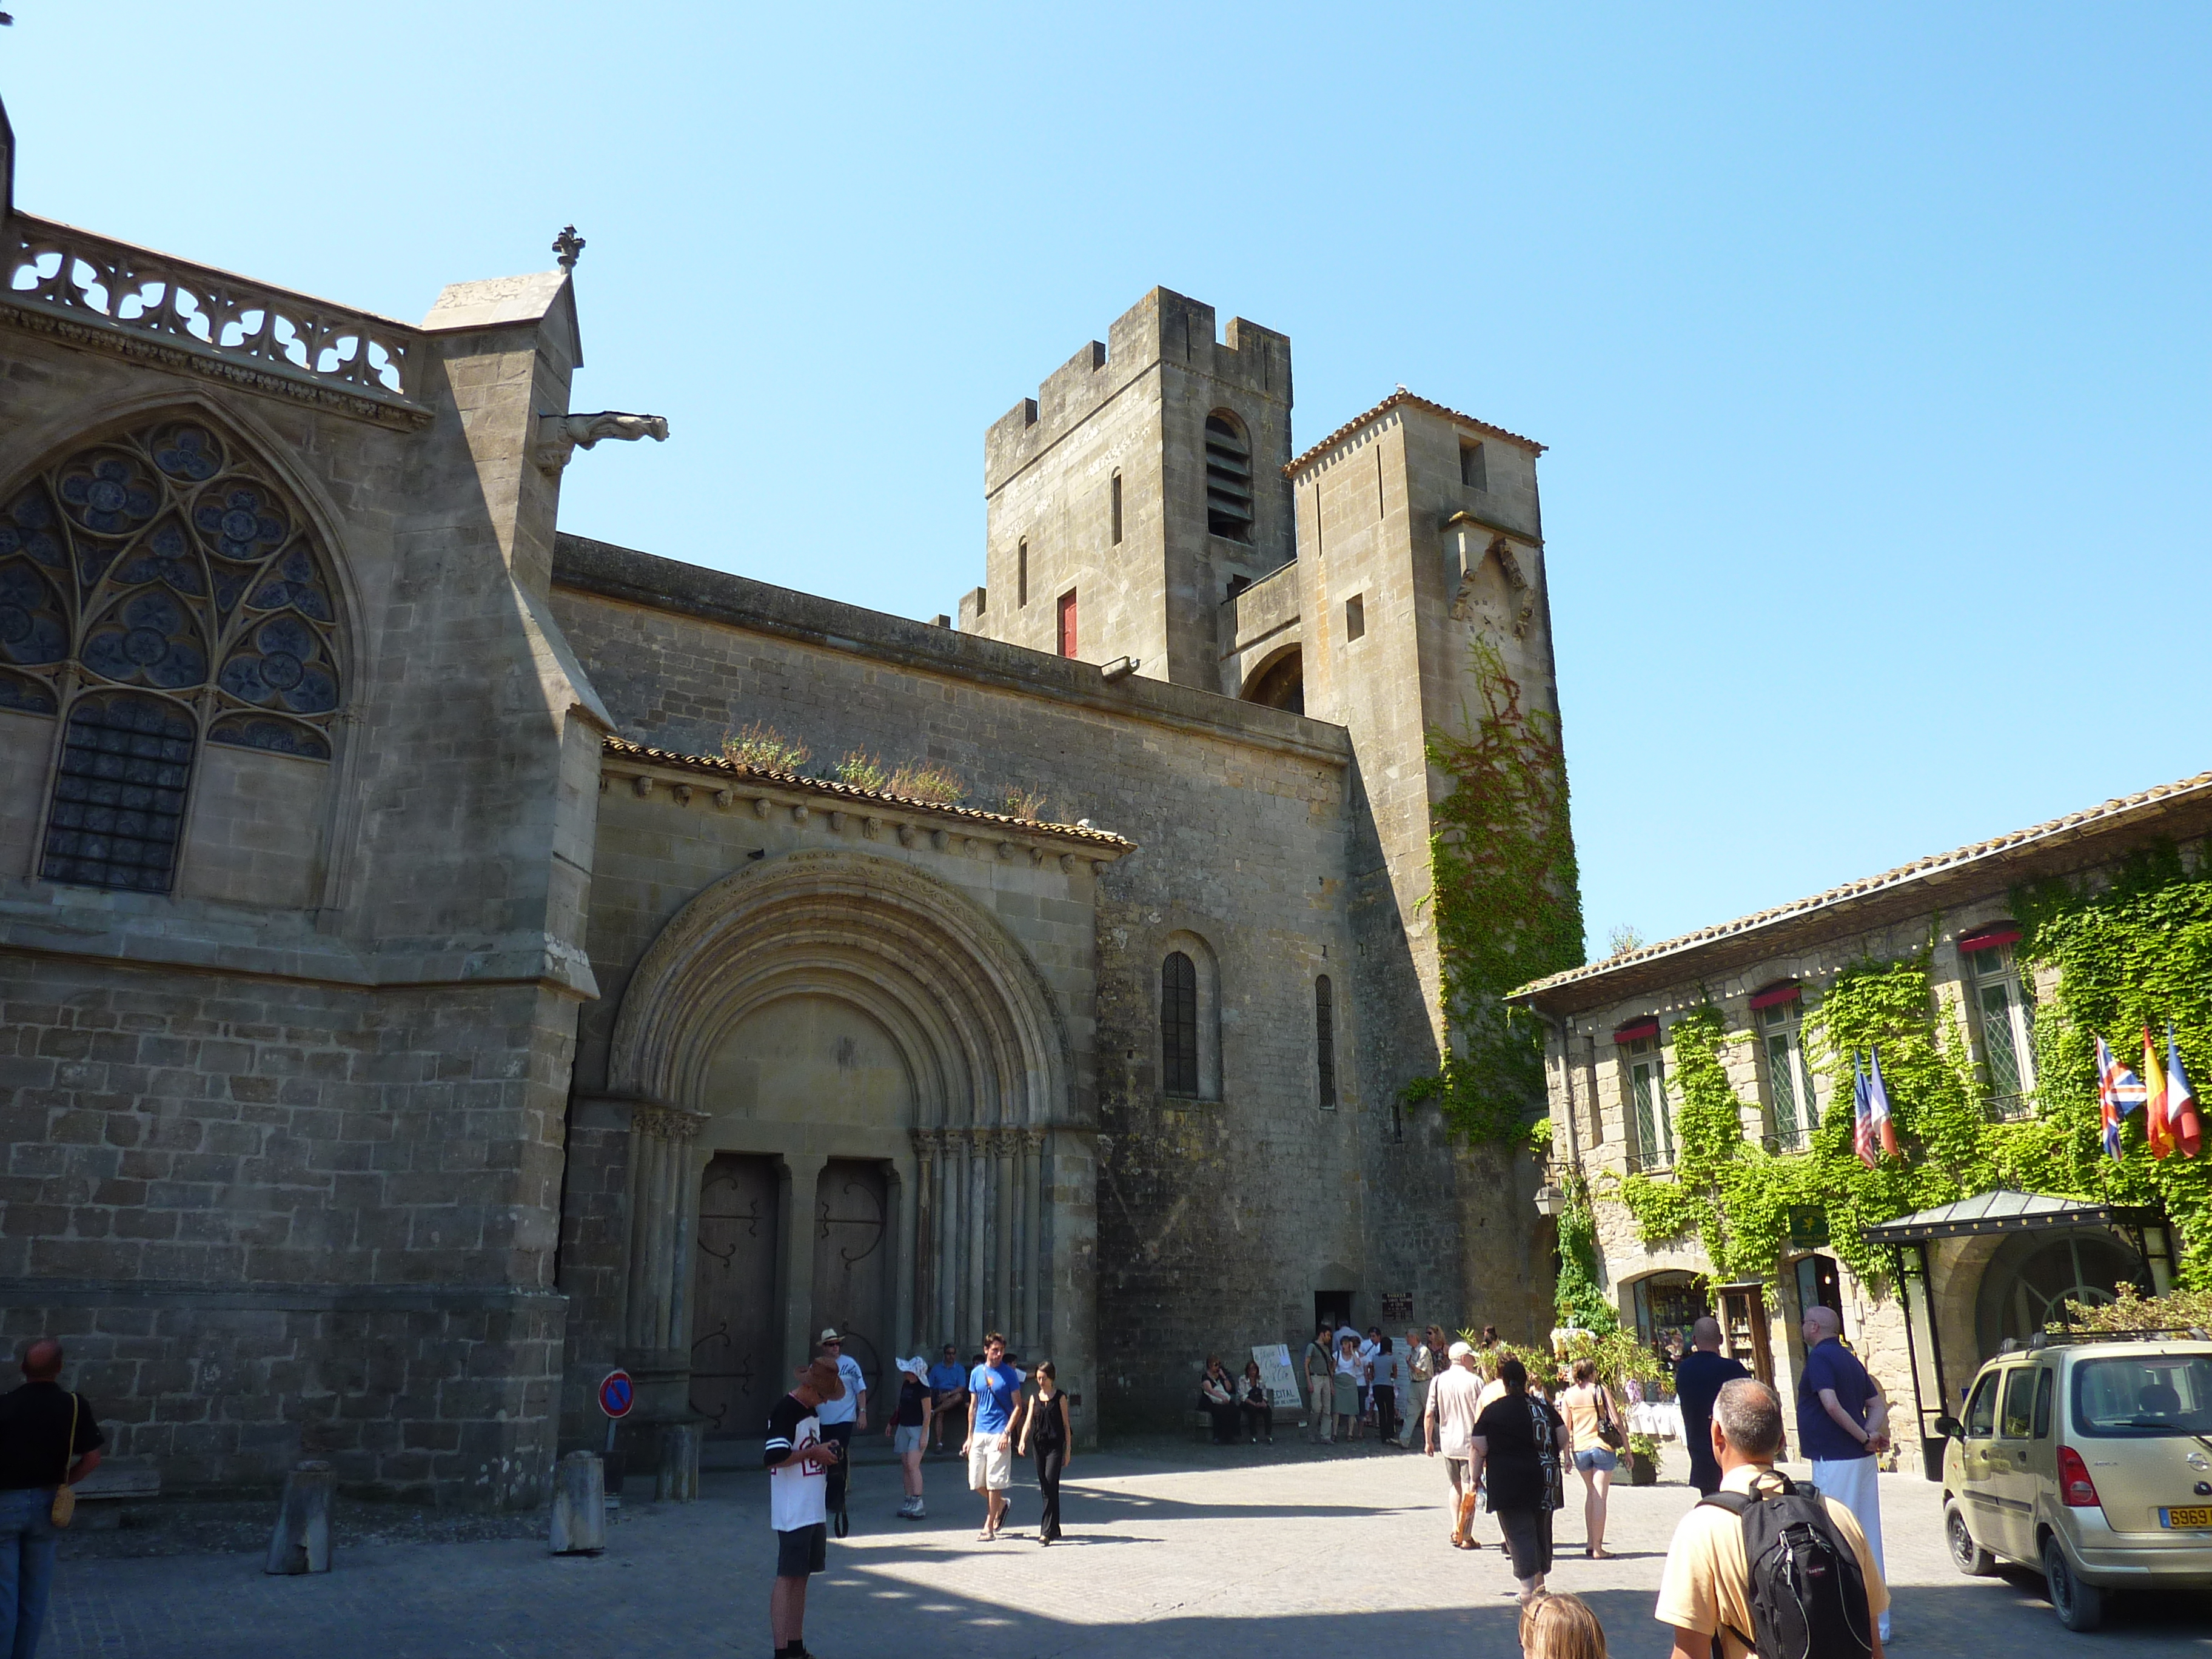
[407,1013]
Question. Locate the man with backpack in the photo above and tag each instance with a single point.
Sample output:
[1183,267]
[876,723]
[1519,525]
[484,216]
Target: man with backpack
[1769,1567]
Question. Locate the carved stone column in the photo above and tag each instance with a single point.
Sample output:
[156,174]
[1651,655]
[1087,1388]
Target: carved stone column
[1034,1255]
[976,1236]
[663,1190]
[924,1212]
[948,1237]
[801,1218]
[1003,1230]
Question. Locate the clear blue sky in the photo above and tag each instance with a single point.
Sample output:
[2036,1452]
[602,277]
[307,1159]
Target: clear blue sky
[1871,348]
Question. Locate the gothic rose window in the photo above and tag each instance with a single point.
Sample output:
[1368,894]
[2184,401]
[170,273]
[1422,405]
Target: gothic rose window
[158,592]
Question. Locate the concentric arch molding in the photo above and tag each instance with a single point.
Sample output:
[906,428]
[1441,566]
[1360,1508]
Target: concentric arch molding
[979,1031]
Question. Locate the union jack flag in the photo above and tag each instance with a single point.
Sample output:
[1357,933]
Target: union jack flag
[2119,1091]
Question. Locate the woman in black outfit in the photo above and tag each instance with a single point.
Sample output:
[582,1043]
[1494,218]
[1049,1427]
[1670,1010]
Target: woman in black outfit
[1259,1411]
[1519,1441]
[1216,1393]
[1045,1426]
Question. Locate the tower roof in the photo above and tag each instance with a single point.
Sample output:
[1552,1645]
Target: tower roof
[1402,396]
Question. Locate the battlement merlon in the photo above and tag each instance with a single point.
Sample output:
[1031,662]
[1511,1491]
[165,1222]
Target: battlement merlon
[1163,329]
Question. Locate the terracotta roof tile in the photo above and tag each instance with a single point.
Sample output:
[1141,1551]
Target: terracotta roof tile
[1103,839]
[1402,396]
[2199,786]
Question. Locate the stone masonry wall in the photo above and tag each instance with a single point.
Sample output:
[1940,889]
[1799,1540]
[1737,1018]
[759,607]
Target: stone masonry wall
[1216,1217]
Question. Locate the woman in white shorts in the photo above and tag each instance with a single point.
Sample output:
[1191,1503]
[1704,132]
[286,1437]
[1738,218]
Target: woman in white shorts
[908,1430]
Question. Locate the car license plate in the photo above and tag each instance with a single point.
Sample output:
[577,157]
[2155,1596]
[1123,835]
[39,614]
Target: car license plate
[2201,1515]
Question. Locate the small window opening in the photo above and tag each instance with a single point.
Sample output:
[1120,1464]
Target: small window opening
[1068,623]
[1474,472]
[1237,584]
[1228,477]
[1355,618]
[1179,1025]
[1114,498]
[1325,1040]
[1022,572]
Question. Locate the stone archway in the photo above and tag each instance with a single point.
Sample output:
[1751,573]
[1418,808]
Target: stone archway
[835,1006]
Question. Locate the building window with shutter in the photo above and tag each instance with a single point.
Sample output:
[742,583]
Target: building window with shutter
[1777,1018]
[2003,1012]
[1644,1077]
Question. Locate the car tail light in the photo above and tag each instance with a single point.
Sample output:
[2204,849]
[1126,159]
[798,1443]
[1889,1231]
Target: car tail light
[2078,1490]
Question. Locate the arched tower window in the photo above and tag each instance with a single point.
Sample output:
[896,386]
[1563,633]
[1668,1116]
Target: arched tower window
[1022,571]
[1228,477]
[1325,1038]
[1114,493]
[1178,1025]
[158,592]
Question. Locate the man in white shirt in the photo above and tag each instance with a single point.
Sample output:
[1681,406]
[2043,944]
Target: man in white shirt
[1448,1425]
[797,1458]
[840,1417]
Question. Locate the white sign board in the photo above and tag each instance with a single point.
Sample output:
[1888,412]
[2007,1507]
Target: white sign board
[1276,1376]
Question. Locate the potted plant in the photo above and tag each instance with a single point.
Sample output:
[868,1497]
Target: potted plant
[1643,1460]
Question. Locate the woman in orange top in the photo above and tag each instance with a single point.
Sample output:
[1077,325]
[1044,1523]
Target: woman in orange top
[1588,1407]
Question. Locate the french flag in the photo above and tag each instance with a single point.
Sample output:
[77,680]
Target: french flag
[1880,1128]
[2181,1101]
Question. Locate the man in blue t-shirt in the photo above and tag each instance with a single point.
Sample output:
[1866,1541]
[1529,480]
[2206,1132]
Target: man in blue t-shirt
[840,1418]
[993,1388]
[1843,1419]
[1700,1375]
[948,1390]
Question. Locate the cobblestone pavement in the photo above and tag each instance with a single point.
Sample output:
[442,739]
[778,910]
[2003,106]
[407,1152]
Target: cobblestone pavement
[1172,1550]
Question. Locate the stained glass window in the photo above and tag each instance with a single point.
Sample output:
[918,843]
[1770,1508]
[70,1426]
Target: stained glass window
[187,592]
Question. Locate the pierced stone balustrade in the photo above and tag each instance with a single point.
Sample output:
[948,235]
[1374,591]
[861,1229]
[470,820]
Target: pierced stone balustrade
[104,293]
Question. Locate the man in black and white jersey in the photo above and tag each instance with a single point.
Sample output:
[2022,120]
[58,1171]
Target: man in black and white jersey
[797,1459]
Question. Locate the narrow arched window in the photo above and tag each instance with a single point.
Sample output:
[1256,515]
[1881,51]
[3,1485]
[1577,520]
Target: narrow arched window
[158,593]
[1325,1038]
[1228,477]
[1179,1025]
[1114,502]
[1022,572]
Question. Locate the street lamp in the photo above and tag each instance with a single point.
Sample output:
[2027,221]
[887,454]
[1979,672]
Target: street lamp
[1550,1201]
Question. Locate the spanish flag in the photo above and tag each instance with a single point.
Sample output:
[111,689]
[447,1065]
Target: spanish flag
[2154,1124]
[2181,1101]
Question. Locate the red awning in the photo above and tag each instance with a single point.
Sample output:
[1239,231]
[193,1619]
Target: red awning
[1988,939]
[1776,993]
[1637,1031]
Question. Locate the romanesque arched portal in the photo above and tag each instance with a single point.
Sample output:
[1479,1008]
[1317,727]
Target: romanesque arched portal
[892,1054]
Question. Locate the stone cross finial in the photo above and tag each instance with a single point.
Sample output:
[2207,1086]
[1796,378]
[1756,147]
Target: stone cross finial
[569,247]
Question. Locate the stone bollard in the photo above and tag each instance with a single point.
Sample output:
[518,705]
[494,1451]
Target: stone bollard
[301,1542]
[580,1505]
[677,1481]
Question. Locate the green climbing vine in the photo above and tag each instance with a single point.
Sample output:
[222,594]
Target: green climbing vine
[2131,951]
[1581,1299]
[1505,899]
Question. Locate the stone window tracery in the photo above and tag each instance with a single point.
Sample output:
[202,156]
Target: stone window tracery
[157,591]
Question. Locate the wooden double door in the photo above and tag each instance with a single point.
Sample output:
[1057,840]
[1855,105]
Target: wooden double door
[744,1283]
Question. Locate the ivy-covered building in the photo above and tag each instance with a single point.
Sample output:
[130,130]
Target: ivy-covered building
[1702,1098]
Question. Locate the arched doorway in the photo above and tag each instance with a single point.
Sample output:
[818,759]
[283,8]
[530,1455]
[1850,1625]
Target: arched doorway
[1281,683]
[2032,1277]
[875,1048]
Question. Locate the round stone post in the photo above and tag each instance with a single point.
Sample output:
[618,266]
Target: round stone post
[580,1505]
[302,1541]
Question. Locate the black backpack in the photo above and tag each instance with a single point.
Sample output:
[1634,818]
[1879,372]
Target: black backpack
[1808,1598]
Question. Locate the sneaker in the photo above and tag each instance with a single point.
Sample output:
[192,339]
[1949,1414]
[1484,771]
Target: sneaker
[917,1513]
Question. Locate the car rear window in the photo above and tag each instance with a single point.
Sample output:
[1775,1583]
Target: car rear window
[2132,1398]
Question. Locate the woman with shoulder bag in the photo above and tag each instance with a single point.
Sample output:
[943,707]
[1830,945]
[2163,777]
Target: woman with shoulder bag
[1594,1421]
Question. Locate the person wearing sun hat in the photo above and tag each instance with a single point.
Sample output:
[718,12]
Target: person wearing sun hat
[909,1430]
[840,1417]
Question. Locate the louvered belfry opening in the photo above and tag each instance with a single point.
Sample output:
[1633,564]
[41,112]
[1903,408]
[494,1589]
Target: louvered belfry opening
[1228,477]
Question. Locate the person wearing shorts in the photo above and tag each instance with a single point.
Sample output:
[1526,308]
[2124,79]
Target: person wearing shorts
[993,1388]
[908,1430]
[798,1460]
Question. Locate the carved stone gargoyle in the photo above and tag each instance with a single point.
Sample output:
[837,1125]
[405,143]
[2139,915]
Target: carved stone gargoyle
[559,436]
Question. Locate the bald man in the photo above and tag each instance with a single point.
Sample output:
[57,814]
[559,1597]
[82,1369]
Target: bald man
[1843,1420]
[47,1435]
[1699,1376]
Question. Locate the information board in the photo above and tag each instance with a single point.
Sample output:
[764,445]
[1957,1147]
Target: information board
[1276,1376]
